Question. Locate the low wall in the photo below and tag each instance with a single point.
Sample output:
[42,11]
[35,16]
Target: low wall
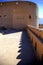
[37,31]
[37,44]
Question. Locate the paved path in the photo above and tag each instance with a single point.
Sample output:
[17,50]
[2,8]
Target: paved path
[15,48]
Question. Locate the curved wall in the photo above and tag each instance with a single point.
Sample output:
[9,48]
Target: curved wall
[18,15]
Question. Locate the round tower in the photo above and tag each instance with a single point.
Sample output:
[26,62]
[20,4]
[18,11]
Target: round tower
[18,14]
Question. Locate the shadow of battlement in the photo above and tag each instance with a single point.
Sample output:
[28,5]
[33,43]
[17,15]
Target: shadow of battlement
[27,55]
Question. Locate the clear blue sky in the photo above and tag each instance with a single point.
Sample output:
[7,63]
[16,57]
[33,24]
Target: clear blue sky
[38,2]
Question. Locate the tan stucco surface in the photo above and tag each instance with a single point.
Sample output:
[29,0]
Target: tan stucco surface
[9,48]
[16,14]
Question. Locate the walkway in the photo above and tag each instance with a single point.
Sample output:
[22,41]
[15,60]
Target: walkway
[15,48]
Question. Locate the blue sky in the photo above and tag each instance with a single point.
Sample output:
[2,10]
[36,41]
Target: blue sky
[38,2]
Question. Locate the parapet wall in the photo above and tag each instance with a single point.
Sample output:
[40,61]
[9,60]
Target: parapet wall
[18,15]
[36,36]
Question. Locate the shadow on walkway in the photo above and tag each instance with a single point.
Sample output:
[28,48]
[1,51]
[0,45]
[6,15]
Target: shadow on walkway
[27,55]
[5,31]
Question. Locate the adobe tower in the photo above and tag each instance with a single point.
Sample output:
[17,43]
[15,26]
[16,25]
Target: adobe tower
[18,14]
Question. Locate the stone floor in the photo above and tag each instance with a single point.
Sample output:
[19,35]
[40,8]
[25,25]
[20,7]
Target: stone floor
[15,48]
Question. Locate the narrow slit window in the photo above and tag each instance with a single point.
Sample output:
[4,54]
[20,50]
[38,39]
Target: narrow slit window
[5,16]
[29,17]
[0,15]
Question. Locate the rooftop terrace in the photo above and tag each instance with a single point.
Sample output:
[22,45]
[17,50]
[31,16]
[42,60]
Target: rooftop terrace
[15,48]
